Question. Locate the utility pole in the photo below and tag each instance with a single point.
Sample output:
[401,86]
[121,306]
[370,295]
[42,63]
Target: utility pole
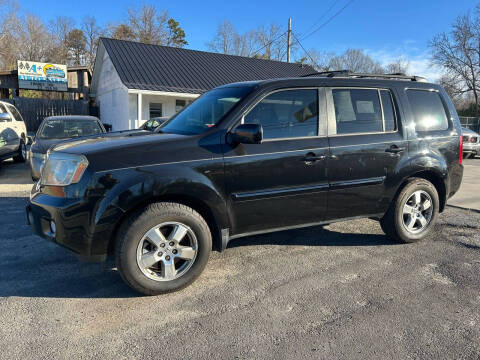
[289,38]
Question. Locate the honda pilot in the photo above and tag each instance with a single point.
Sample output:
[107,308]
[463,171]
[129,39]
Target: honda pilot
[252,158]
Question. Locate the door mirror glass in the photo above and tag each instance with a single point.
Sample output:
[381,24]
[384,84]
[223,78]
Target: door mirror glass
[247,134]
[5,117]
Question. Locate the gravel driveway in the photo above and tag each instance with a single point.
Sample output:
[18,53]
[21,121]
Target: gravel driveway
[341,291]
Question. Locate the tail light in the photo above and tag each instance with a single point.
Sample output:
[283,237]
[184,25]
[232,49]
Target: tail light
[472,140]
[460,156]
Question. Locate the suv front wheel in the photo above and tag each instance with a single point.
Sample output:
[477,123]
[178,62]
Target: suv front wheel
[413,214]
[163,248]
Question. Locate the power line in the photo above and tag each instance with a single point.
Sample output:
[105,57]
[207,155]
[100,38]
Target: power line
[306,52]
[332,5]
[329,20]
[269,43]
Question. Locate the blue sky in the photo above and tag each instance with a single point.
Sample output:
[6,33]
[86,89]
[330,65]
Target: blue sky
[385,29]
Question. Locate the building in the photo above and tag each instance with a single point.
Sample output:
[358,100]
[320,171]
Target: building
[133,82]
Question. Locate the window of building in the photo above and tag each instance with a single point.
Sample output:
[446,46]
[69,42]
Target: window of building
[179,105]
[155,110]
[428,110]
[287,114]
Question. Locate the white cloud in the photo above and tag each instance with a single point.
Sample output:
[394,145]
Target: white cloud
[419,61]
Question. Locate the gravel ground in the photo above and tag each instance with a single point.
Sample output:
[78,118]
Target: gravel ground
[340,291]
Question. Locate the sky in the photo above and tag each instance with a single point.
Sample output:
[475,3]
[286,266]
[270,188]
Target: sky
[384,29]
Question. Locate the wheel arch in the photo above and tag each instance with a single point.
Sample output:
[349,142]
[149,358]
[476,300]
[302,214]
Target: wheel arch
[193,202]
[435,177]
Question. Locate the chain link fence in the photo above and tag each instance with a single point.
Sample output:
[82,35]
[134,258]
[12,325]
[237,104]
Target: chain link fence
[472,123]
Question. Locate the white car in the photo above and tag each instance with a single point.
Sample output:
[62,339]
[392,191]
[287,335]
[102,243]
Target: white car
[13,134]
[471,143]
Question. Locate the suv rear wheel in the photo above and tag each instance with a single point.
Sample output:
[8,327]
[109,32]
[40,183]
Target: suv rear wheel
[163,248]
[413,214]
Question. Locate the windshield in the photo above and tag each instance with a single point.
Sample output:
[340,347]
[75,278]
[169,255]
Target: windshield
[69,128]
[206,111]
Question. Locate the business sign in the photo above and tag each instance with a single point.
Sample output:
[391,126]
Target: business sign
[42,76]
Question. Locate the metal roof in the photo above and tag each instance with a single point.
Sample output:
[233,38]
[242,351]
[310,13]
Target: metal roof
[164,68]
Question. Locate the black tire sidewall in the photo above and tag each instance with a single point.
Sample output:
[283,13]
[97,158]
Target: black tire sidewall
[415,185]
[19,157]
[154,215]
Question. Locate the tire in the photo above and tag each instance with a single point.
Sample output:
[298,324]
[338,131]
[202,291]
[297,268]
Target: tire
[397,222]
[21,156]
[137,238]
[467,155]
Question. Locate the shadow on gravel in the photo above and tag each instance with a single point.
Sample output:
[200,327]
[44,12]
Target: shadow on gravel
[314,236]
[33,267]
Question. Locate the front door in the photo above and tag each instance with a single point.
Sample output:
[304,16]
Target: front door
[366,145]
[281,182]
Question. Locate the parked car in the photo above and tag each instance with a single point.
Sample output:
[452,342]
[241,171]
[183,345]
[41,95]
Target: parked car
[153,123]
[56,129]
[471,143]
[13,133]
[251,158]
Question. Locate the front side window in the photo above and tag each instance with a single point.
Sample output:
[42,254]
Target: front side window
[207,111]
[428,110]
[287,114]
[69,128]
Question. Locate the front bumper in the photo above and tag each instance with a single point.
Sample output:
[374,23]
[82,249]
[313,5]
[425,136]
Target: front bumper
[71,224]
[473,148]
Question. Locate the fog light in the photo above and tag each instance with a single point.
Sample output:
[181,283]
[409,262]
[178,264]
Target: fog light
[53,228]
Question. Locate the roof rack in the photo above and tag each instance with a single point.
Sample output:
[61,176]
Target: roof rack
[350,74]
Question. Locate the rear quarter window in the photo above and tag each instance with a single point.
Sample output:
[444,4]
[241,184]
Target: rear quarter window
[428,110]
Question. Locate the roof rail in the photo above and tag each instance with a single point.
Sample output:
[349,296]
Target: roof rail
[350,74]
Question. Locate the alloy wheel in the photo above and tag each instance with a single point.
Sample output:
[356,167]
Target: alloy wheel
[167,251]
[417,212]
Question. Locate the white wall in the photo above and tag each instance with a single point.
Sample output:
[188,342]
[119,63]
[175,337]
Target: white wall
[112,97]
[168,105]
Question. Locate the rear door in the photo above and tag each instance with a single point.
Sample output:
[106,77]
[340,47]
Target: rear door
[366,144]
[281,182]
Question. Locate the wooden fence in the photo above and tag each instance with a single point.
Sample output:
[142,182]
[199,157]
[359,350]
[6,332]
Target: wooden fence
[35,110]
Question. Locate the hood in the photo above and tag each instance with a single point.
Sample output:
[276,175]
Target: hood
[42,145]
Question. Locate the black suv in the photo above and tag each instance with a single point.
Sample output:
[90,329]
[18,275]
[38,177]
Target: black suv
[251,158]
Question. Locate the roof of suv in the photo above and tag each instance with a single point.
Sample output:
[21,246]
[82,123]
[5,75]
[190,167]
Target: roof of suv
[341,78]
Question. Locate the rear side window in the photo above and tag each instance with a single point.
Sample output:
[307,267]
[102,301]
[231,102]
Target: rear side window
[357,111]
[287,114]
[388,110]
[15,113]
[428,110]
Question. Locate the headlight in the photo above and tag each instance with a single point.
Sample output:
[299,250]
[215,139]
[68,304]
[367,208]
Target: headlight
[63,169]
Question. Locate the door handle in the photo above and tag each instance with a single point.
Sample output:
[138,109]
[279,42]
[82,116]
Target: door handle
[312,157]
[394,149]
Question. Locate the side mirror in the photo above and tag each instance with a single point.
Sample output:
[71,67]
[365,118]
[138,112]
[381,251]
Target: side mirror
[247,134]
[5,117]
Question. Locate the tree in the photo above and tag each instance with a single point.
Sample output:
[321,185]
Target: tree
[92,33]
[123,32]
[176,35]
[76,43]
[59,30]
[148,25]
[398,66]
[357,61]
[224,40]
[458,52]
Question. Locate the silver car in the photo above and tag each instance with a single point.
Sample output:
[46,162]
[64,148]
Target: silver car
[471,143]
